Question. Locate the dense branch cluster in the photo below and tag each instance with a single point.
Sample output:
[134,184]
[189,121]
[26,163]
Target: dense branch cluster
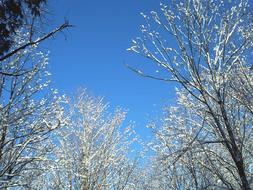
[205,142]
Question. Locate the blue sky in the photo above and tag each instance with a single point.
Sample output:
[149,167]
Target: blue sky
[94,53]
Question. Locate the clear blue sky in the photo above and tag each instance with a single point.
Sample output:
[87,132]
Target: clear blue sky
[94,54]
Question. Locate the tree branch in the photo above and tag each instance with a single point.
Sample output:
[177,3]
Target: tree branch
[63,26]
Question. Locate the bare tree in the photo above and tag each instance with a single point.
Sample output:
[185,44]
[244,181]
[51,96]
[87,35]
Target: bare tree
[207,51]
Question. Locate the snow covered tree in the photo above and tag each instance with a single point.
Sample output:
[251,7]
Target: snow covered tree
[93,151]
[205,46]
[28,115]
[29,109]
